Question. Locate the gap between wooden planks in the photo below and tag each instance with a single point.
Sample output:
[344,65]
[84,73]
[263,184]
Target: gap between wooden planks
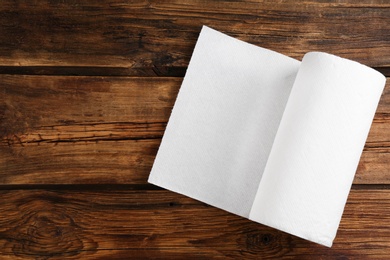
[75,130]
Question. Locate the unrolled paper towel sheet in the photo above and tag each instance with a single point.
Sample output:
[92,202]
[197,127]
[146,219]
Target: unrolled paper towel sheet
[239,140]
[224,122]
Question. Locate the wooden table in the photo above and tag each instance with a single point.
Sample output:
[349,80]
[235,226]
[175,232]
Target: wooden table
[86,89]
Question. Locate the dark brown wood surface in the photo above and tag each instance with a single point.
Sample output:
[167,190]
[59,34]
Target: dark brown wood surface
[86,89]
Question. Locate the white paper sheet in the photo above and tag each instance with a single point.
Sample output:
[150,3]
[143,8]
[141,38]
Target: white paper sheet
[238,140]
[224,121]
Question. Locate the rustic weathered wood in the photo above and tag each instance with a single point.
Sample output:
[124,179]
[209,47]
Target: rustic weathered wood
[98,162]
[76,149]
[122,162]
[31,101]
[108,129]
[159,34]
[162,224]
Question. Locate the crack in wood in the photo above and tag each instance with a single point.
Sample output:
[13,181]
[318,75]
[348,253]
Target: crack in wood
[80,132]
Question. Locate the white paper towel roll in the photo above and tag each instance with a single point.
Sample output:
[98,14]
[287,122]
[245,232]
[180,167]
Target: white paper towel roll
[317,147]
[239,140]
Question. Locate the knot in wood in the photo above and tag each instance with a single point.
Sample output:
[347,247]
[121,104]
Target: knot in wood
[49,233]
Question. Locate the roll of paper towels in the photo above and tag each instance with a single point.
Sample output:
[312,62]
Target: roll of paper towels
[317,147]
[268,137]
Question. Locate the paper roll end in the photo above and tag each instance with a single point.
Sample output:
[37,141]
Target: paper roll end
[380,78]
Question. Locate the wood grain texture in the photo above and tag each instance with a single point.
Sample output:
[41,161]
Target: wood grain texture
[108,129]
[161,224]
[76,149]
[159,35]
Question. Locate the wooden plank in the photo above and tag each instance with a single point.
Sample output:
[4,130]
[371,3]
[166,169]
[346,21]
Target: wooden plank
[108,129]
[164,225]
[122,162]
[31,103]
[159,34]
[97,162]
[34,101]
